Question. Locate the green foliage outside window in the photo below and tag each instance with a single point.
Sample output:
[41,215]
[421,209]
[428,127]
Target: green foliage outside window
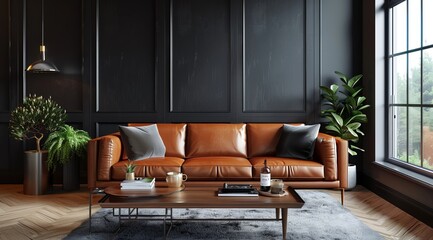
[412,121]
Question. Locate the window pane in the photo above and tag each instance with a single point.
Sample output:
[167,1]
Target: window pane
[414,138]
[414,24]
[399,133]
[427,96]
[415,78]
[400,28]
[400,79]
[428,138]
[427,22]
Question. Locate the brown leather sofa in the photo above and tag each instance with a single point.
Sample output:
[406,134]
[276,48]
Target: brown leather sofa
[216,153]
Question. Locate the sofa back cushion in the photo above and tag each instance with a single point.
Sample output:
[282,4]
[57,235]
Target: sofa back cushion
[173,136]
[263,138]
[214,139]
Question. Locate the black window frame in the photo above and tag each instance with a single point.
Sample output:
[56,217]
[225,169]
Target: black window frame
[389,83]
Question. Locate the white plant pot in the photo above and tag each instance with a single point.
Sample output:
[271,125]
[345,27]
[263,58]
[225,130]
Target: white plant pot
[130,176]
[351,176]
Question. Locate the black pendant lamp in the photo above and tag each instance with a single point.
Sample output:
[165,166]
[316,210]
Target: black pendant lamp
[42,65]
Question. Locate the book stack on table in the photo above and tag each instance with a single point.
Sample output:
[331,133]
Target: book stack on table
[145,183]
[237,190]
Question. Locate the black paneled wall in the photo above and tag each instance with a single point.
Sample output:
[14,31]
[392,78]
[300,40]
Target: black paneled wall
[169,61]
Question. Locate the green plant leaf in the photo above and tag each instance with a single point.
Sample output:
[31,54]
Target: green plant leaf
[359,131]
[357,148]
[341,76]
[334,88]
[64,144]
[352,82]
[332,128]
[337,119]
[363,107]
[351,152]
[354,125]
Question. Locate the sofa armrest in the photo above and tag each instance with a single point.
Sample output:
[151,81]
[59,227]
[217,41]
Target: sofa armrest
[332,153]
[342,161]
[102,153]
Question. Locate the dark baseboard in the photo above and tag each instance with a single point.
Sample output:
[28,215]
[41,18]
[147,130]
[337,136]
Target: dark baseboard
[416,209]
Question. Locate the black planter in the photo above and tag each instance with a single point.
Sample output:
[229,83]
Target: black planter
[35,172]
[71,175]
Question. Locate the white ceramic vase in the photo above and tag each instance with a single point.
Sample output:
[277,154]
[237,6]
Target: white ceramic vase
[130,176]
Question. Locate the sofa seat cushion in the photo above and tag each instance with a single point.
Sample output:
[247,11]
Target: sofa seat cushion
[289,168]
[151,167]
[217,168]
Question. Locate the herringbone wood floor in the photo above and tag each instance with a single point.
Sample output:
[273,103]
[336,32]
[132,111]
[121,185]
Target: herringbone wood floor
[53,216]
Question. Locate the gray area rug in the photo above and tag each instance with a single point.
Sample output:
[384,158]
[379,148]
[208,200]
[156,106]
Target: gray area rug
[322,217]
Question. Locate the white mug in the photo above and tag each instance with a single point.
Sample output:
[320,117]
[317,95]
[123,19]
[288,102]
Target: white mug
[175,179]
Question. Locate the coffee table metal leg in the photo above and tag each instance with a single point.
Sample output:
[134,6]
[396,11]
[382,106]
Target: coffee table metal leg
[284,213]
[166,232]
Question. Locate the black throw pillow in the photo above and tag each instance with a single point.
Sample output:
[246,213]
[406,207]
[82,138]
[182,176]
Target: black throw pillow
[142,142]
[297,141]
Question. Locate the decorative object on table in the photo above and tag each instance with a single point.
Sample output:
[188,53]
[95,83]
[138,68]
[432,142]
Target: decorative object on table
[130,168]
[265,177]
[175,179]
[42,65]
[144,183]
[345,112]
[237,190]
[65,147]
[269,194]
[277,186]
[33,119]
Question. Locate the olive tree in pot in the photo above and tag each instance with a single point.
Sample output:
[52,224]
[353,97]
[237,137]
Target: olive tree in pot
[65,147]
[345,114]
[33,119]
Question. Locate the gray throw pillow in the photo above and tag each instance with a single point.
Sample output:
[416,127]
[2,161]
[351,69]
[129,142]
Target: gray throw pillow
[297,141]
[142,142]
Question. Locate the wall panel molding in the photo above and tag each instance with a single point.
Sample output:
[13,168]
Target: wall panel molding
[200,51]
[274,68]
[125,76]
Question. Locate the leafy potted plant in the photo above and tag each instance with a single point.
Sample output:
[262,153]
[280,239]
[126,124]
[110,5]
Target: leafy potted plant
[345,112]
[130,168]
[64,146]
[33,119]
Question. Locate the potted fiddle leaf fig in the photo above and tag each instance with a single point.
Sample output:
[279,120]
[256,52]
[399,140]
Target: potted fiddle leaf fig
[345,115]
[35,118]
[345,110]
[65,146]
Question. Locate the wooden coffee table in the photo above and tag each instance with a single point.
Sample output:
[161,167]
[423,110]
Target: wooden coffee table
[195,197]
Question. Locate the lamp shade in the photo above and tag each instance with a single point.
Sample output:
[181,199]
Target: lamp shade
[42,66]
